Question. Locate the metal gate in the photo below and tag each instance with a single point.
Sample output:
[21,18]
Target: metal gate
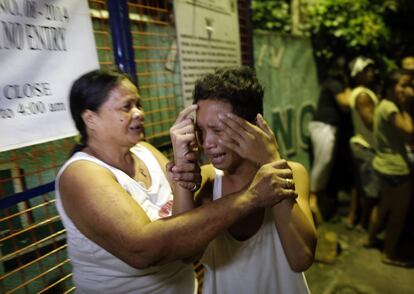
[33,255]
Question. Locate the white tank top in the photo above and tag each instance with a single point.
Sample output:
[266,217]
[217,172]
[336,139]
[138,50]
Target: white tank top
[95,270]
[362,135]
[257,265]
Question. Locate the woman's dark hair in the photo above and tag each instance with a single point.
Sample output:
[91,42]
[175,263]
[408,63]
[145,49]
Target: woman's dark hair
[238,86]
[90,91]
[390,81]
[338,70]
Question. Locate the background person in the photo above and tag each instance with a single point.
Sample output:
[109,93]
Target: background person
[330,131]
[393,127]
[407,62]
[362,102]
[115,201]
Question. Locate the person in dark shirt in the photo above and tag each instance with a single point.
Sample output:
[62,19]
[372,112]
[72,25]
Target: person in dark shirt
[330,131]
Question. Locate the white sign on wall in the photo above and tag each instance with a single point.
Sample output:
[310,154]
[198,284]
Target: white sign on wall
[208,37]
[44,47]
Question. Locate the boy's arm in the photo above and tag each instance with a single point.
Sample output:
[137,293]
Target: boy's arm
[182,137]
[292,217]
[294,223]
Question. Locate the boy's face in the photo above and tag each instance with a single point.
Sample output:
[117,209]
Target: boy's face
[210,130]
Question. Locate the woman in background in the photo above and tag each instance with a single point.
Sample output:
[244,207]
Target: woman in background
[393,128]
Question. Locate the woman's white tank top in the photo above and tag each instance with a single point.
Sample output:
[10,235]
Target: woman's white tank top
[97,271]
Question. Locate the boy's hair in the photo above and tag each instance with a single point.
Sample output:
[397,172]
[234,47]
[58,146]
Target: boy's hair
[238,86]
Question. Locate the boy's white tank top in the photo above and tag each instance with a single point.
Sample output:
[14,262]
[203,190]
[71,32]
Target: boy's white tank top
[98,271]
[257,265]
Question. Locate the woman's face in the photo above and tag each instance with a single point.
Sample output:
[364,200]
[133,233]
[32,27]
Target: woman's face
[120,119]
[403,89]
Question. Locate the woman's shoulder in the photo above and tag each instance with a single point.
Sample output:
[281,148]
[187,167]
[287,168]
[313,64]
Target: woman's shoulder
[80,177]
[144,145]
[82,163]
[386,107]
[81,158]
[385,103]
[159,156]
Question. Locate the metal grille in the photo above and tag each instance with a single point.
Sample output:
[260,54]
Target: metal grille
[32,246]
[153,36]
[101,29]
[33,256]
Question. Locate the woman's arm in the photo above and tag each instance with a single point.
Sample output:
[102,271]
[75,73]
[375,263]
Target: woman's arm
[403,122]
[342,99]
[105,213]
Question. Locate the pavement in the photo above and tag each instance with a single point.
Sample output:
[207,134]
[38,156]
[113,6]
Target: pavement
[344,266]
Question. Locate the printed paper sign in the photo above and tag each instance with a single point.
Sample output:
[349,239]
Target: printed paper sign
[44,47]
[208,37]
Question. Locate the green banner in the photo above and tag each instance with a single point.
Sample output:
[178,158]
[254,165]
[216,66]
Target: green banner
[286,68]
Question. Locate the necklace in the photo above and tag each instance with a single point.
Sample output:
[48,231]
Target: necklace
[142,173]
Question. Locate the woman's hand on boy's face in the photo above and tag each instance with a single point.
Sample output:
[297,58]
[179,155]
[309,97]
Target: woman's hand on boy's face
[253,142]
[273,183]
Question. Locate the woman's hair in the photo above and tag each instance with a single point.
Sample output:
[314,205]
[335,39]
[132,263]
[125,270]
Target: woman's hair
[390,81]
[90,91]
[338,70]
[238,86]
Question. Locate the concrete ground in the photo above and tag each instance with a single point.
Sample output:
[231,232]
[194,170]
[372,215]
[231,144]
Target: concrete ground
[344,266]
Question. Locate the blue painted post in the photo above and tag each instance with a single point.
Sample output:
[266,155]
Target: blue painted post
[121,37]
[250,32]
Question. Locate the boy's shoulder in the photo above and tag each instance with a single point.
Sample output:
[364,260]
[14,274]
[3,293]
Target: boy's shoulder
[204,194]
